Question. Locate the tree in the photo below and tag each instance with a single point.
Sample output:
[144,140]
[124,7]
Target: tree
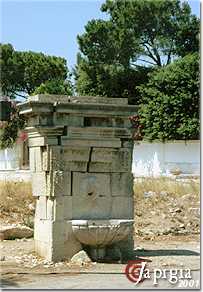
[170,108]
[11,71]
[161,29]
[23,72]
[56,86]
[138,33]
[110,80]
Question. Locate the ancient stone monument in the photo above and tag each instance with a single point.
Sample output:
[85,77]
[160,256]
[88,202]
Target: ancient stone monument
[80,157]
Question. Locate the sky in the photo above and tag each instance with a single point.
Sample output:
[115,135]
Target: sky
[51,26]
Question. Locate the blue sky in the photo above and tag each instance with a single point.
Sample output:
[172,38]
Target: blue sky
[51,26]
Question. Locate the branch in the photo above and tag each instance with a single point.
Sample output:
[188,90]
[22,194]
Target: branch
[150,54]
[146,61]
[14,92]
[169,54]
[157,55]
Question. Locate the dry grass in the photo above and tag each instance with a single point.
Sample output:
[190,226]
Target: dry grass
[171,186]
[164,204]
[15,198]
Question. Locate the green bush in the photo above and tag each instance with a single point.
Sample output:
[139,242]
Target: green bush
[170,101]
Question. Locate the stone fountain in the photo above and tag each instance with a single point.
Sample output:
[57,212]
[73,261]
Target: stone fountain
[80,156]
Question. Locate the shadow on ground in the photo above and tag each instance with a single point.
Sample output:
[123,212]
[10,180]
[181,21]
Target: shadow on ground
[8,283]
[165,252]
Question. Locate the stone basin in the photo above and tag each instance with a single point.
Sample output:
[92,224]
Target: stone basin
[100,233]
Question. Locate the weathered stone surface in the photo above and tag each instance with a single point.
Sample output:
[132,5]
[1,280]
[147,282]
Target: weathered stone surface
[80,156]
[66,158]
[60,183]
[122,207]
[38,158]
[94,184]
[42,141]
[80,258]
[91,142]
[32,159]
[39,185]
[110,160]
[54,183]
[55,240]
[97,132]
[122,184]
[91,196]
[68,119]
[51,98]
[16,231]
[41,208]
[127,144]
[100,233]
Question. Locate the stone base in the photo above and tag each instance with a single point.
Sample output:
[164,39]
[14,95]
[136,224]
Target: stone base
[54,240]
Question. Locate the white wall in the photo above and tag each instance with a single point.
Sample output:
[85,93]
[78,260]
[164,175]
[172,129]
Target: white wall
[155,159]
[10,158]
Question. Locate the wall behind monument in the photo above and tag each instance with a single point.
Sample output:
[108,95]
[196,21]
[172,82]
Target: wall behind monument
[158,159]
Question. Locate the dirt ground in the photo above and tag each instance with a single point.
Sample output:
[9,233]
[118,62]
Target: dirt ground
[22,268]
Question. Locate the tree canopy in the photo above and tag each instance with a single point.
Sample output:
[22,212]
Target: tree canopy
[23,72]
[55,86]
[170,107]
[26,73]
[137,34]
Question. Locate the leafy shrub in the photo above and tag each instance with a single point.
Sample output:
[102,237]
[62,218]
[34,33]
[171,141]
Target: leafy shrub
[170,101]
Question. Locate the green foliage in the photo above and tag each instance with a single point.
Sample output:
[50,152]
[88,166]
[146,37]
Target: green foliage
[54,87]
[110,80]
[25,71]
[11,71]
[9,130]
[137,33]
[152,30]
[170,108]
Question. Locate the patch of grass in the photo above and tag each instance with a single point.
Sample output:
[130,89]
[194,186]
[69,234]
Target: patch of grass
[15,198]
[170,186]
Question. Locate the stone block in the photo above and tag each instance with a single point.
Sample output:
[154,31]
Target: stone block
[122,184]
[43,230]
[126,246]
[39,186]
[68,207]
[68,120]
[55,240]
[122,207]
[68,158]
[91,196]
[45,158]
[91,142]
[110,160]
[60,183]
[62,208]
[38,159]
[127,144]
[51,231]
[91,208]
[91,185]
[41,208]
[50,208]
[97,132]
[75,153]
[42,141]
[32,159]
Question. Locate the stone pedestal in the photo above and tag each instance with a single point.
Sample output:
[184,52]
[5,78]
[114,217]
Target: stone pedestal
[80,156]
